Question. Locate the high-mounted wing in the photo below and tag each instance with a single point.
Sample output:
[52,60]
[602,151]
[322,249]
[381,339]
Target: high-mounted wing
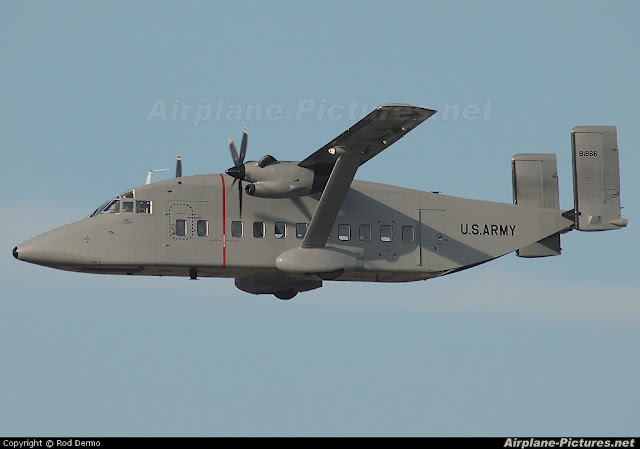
[375,132]
[344,154]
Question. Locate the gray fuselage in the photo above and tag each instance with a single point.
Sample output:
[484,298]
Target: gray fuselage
[204,226]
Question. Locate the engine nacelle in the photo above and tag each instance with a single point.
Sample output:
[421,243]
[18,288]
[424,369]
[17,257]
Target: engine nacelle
[278,180]
[277,189]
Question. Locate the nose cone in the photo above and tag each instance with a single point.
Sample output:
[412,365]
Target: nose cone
[33,251]
[61,247]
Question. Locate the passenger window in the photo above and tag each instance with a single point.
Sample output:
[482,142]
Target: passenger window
[301,230]
[408,234]
[237,229]
[127,206]
[386,233]
[181,227]
[258,229]
[344,232]
[365,233]
[280,230]
[202,228]
[143,207]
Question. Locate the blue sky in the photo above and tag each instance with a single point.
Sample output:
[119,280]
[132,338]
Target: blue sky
[513,347]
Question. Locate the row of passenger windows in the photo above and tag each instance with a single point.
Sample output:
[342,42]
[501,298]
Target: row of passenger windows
[365,231]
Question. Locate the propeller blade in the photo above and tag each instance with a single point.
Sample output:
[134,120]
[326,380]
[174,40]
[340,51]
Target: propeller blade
[240,197]
[234,152]
[179,167]
[243,145]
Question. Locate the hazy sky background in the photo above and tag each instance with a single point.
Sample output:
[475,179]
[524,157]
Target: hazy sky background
[543,347]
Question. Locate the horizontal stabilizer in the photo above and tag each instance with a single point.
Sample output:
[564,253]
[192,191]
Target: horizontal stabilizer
[596,178]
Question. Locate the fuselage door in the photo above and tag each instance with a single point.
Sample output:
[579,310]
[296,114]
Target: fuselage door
[190,233]
[433,239]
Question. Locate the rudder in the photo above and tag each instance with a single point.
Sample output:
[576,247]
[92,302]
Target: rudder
[596,178]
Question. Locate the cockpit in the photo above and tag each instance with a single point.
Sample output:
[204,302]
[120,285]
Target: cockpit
[124,203]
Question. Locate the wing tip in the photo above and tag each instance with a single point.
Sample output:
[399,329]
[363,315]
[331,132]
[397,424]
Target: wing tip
[406,106]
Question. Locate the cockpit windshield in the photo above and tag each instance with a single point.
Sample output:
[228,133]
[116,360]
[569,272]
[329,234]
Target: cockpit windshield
[108,207]
[123,204]
[112,208]
[99,209]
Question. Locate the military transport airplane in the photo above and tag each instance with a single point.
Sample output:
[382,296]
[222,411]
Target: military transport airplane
[285,227]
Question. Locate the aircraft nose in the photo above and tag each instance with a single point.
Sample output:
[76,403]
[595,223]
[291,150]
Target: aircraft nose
[31,251]
[60,247]
[37,251]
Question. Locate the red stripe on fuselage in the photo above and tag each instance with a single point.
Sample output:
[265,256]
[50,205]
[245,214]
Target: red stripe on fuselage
[224,223]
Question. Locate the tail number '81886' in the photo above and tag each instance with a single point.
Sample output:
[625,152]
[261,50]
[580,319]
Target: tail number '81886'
[588,153]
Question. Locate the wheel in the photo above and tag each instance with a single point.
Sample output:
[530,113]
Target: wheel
[285,294]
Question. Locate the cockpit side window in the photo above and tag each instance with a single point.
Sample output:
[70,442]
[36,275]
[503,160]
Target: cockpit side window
[127,206]
[143,207]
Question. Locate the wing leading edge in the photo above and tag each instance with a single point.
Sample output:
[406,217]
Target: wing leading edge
[344,154]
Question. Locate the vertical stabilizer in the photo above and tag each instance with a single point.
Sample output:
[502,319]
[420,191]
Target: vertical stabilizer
[596,178]
[535,184]
[535,180]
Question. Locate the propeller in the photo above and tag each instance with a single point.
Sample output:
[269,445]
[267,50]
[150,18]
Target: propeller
[238,170]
